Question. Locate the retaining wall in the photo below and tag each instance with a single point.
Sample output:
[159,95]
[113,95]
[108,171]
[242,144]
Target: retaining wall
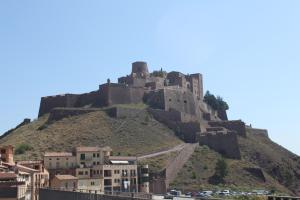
[47,194]
[225,144]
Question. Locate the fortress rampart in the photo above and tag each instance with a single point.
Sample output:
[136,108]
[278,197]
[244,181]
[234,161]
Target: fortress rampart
[174,99]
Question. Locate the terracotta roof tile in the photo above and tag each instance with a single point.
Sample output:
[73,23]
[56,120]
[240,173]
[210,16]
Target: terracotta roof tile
[7,175]
[87,149]
[66,177]
[57,154]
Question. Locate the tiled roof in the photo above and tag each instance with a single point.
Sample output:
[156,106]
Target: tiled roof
[87,149]
[92,149]
[66,177]
[57,154]
[123,158]
[7,175]
[24,162]
[107,148]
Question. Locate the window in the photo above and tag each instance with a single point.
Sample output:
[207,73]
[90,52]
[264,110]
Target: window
[92,183]
[50,158]
[86,172]
[82,156]
[124,172]
[80,173]
[98,163]
[94,155]
[98,155]
[97,171]
[94,163]
[132,172]
[107,173]
[57,158]
[170,99]
[184,101]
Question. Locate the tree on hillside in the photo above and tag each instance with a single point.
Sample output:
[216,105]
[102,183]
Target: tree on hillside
[221,169]
[217,103]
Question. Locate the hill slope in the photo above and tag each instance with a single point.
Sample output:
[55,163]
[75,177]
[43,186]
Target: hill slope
[264,165]
[277,167]
[127,136]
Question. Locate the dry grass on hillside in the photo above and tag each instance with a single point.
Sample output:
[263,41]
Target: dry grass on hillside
[158,163]
[197,171]
[277,161]
[126,136]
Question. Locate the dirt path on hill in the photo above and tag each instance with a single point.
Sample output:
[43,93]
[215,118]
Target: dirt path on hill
[176,148]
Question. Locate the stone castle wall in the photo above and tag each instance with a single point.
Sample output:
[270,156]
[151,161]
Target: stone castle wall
[112,94]
[68,101]
[225,144]
[236,125]
[60,113]
[256,131]
[185,130]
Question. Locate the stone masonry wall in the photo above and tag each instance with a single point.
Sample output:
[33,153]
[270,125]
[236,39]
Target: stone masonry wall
[225,144]
[48,194]
[121,112]
[185,130]
[112,94]
[256,131]
[236,125]
[68,101]
[60,113]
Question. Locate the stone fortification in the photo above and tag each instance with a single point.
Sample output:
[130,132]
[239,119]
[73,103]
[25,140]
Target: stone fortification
[224,143]
[174,99]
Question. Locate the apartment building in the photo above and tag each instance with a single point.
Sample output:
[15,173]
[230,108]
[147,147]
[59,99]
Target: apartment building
[96,169]
[22,178]
[65,182]
[60,163]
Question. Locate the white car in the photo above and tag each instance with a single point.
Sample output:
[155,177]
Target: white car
[225,192]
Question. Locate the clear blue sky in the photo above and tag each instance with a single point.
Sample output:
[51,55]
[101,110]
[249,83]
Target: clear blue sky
[248,52]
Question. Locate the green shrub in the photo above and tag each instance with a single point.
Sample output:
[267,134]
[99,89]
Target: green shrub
[221,169]
[22,148]
[194,175]
[216,103]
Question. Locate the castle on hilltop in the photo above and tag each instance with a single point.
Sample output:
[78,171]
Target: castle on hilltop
[173,98]
[172,91]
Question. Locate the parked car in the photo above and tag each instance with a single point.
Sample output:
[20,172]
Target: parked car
[203,195]
[175,193]
[225,193]
[188,194]
[207,192]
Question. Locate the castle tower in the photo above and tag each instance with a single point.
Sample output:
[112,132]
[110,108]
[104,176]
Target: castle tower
[140,69]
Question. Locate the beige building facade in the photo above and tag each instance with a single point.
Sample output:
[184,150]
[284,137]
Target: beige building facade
[96,169]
